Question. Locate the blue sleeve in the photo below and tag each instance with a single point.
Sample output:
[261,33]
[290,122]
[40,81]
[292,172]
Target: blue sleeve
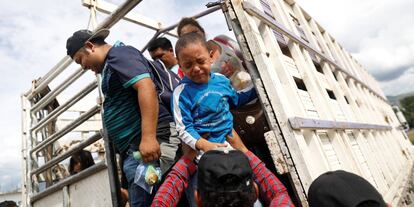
[242,97]
[129,63]
[246,95]
[181,107]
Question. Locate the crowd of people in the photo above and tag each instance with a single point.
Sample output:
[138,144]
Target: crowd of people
[175,110]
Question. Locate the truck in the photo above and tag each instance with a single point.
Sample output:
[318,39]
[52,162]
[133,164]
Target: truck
[319,110]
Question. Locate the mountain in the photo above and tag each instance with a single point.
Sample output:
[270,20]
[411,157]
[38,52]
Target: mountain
[396,99]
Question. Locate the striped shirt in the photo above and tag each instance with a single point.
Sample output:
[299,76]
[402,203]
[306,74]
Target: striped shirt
[124,66]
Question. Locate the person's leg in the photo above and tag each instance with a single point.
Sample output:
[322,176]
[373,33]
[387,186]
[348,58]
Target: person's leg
[138,197]
[169,149]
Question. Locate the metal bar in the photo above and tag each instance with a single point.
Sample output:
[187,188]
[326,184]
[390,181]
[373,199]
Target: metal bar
[252,10]
[59,67]
[91,112]
[305,123]
[66,196]
[42,84]
[26,161]
[68,153]
[69,180]
[118,14]
[135,18]
[112,169]
[166,29]
[65,106]
[51,95]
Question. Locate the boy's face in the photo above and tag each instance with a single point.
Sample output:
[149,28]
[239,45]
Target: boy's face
[195,61]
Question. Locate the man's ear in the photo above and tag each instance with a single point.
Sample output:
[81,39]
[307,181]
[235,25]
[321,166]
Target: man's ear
[89,46]
[197,198]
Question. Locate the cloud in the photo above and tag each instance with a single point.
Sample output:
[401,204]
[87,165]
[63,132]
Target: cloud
[389,75]
[377,32]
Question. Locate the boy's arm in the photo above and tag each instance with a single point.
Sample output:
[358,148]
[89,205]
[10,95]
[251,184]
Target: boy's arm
[181,107]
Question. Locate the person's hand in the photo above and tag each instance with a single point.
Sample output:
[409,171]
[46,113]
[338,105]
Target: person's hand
[188,152]
[149,149]
[236,142]
[204,145]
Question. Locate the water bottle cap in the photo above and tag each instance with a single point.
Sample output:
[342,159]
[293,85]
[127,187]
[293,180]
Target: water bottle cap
[137,155]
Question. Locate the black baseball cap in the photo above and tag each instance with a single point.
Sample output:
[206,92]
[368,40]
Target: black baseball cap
[223,170]
[80,37]
[343,189]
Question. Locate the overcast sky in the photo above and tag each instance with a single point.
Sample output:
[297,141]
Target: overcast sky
[379,33]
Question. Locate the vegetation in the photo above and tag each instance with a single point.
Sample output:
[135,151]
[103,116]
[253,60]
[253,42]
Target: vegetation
[411,136]
[407,107]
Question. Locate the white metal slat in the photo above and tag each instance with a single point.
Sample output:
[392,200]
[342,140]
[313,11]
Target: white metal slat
[371,151]
[308,104]
[361,159]
[290,64]
[339,113]
[329,151]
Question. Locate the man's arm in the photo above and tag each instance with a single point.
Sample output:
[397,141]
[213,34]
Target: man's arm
[148,105]
[177,180]
[272,191]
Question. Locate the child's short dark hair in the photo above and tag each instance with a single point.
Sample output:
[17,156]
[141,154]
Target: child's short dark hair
[187,39]
[188,21]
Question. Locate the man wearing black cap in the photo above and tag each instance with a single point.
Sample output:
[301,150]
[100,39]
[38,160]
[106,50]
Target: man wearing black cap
[133,116]
[225,178]
[343,189]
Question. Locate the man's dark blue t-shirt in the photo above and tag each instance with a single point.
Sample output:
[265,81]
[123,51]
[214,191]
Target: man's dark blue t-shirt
[124,66]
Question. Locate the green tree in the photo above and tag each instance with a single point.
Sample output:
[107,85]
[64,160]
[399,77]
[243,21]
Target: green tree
[407,104]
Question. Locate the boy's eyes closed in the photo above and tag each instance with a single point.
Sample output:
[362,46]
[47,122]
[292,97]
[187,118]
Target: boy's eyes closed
[201,61]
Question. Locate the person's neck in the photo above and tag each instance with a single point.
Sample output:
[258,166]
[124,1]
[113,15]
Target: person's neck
[105,49]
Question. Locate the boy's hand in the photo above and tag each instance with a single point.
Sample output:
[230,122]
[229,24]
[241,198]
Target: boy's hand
[205,145]
[149,149]
[236,142]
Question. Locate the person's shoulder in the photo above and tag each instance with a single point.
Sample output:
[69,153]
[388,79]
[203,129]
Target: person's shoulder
[122,51]
[220,78]
[124,57]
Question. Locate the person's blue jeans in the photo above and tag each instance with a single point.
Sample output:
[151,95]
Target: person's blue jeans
[138,197]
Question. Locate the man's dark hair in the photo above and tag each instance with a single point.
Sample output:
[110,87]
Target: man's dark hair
[187,39]
[84,158]
[242,198]
[161,42]
[188,21]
